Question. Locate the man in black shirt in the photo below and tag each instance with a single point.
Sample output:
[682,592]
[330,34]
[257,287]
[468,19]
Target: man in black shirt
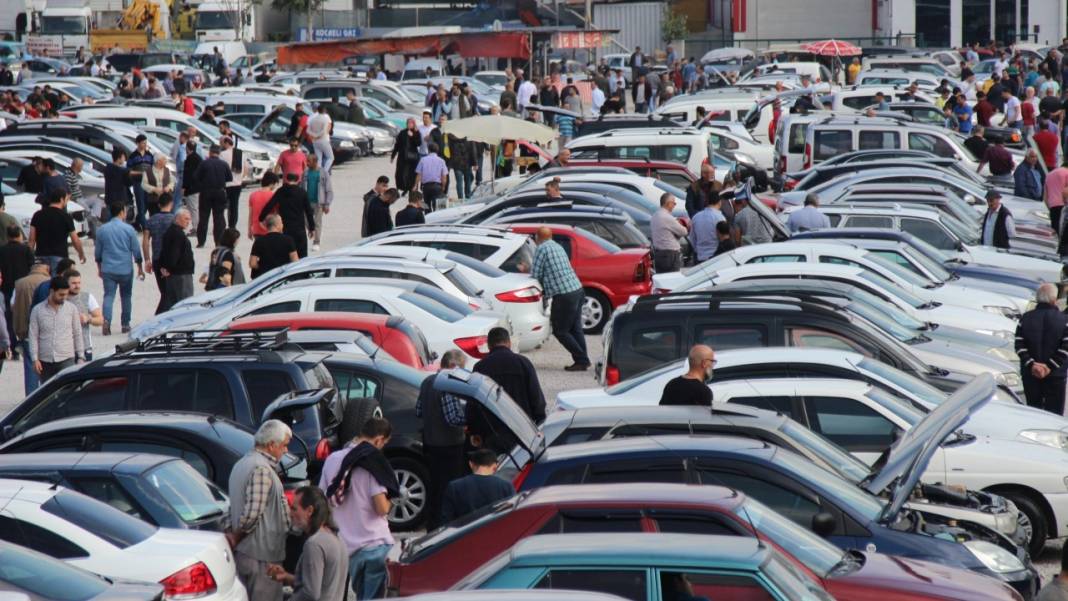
[117,180]
[16,260]
[514,373]
[51,227]
[298,218]
[176,262]
[480,489]
[378,217]
[30,178]
[976,143]
[211,177]
[271,250]
[414,213]
[691,388]
[381,185]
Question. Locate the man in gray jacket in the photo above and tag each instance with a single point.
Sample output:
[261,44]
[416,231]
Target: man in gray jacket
[259,513]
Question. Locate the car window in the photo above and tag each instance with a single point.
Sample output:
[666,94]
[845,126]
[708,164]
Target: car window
[353,272]
[841,261]
[564,241]
[931,143]
[355,386]
[662,343]
[520,261]
[350,305]
[730,336]
[797,138]
[832,142]
[31,536]
[107,490]
[779,404]
[103,521]
[676,154]
[789,503]
[192,496]
[193,458]
[678,585]
[878,140]
[669,471]
[264,386]
[778,259]
[431,306]
[815,338]
[289,279]
[202,391]
[850,424]
[629,152]
[928,231]
[695,524]
[869,221]
[286,307]
[574,522]
[629,584]
[858,102]
[96,395]
[55,581]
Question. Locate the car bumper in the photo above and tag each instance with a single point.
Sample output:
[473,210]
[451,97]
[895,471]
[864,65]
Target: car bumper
[236,593]
[258,169]
[382,146]
[619,295]
[1026,581]
[530,324]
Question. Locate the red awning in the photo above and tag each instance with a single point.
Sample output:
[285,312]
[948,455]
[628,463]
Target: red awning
[503,44]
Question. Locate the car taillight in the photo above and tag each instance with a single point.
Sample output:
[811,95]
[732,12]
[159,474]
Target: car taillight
[640,270]
[611,375]
[476,346]
[322,449]
[189,583]
[517,482]
[290,495]
[782,164]
[530,294]
[660,291]
[808,156]
[790,184]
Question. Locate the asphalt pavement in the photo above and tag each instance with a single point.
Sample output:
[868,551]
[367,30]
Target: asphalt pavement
[340,227]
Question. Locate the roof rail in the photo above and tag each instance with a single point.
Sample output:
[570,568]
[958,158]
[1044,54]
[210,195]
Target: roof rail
[200,341]
[714,296]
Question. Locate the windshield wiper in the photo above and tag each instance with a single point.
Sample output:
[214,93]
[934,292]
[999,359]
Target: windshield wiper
[850,562]
[918,339]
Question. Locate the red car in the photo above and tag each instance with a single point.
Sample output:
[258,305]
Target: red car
[396,335]
[442,558]
[675,174]
[609,274]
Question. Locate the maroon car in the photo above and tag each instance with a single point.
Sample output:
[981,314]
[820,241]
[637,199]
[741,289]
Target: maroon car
[442,558]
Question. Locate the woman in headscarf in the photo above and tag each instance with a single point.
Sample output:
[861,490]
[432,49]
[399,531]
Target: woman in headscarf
[406,153]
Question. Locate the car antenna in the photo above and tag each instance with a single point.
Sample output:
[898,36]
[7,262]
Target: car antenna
[748,518]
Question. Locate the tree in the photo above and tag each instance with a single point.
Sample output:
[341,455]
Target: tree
[299,6]
[672,25]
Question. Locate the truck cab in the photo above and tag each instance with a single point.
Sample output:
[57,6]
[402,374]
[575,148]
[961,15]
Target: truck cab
[224,21]
[62,30]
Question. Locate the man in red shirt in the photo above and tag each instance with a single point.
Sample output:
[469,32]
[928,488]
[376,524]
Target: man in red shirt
[1047,143]
[983,109]
[1056,190]
[292,160]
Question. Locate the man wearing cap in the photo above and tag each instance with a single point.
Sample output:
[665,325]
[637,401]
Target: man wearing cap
[997,226]
[212,176]
[140,160]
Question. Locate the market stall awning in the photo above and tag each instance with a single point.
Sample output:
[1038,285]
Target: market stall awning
[499,44]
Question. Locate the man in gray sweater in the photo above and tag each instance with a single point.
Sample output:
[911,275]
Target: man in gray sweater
[323,568]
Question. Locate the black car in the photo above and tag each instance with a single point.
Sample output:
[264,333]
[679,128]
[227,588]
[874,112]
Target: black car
[125,62]
[605,123]
[236,378]
[35,576]
[160,489]
[274,126]
[211,445]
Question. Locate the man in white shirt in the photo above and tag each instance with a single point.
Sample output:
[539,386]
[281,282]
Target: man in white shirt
[597,101]
[1013,117]
[525,91]
[1000,65]
[319,127]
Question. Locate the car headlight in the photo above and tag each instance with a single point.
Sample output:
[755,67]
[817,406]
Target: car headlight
[1009,378]
[1009,312]
[259,156]
[1050,438]
[1004,353]
[994,557]
[1007,522]
[347,144]
[1003,334]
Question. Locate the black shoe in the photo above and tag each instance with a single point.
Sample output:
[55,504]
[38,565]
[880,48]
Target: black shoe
[577,367]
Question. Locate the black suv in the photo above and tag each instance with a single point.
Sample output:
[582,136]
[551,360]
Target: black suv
[237,377]
[658,329]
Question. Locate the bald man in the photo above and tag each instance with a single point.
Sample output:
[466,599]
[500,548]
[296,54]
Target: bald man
[558,280]
[691,388]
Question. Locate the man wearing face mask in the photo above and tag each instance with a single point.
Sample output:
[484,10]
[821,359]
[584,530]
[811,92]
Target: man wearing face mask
[691,388]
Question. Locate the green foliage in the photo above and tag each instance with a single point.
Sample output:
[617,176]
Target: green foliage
[672,25]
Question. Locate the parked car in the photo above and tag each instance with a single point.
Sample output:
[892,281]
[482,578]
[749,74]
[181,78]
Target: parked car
[94,536]
[666,171]
[441,558]
[681,145]
[33,576]
[162,490]
[608,223]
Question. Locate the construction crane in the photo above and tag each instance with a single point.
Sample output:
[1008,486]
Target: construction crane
[142,14]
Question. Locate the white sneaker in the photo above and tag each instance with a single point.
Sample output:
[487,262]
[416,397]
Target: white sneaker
[315,248]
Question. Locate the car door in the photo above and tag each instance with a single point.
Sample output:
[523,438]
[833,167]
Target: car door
[628,583]
[100,393]
[851,423]
[721,584]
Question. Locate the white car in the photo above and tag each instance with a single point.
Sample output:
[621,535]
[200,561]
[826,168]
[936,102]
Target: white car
[1019,451]
[89,534]
[842,253]
[691,147]
[22,206]
[446,323]
[517,295]
[976,320]
[649,187]
[495,246]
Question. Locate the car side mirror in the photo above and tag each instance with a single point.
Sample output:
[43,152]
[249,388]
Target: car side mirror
[823,524]
[7,432]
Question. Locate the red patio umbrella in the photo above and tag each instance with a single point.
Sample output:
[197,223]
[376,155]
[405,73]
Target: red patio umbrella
[832,48]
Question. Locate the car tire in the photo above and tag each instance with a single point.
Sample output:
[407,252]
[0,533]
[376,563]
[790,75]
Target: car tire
[357,412]
[409,511]
[595,311]
[1037,518]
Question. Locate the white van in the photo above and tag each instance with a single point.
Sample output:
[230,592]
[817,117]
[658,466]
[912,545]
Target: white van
[886,77]
[835,135]
[691,147]
[861,97]
[908,64]
[815,71]
[416,68]
[730,107]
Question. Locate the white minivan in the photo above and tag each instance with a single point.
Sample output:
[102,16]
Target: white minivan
[691,147]
[835,135]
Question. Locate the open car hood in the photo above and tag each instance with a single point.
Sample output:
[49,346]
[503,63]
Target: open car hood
[483,391]
[909,456]
[777,227]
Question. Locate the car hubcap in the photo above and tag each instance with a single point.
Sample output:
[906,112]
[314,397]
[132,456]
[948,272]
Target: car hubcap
[592,313]
[412,497]
[1025,524]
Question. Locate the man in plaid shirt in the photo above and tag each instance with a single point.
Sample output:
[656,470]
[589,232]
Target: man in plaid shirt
[553,269]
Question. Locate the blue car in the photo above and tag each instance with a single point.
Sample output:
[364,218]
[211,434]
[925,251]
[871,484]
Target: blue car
[649,567]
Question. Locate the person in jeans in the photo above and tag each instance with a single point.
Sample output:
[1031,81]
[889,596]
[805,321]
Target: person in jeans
[359,482]
[176,261]
[116,246]
[152,241]
[51,227]
[21,305]
[89,310]
[16,260]
[55,332]
[553,269]
[666,232]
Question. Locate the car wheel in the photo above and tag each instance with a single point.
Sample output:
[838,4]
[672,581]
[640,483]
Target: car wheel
[595,312]
[357,412]
[409,510]
[1033,521]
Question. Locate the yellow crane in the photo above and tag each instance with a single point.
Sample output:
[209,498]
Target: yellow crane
[141,22]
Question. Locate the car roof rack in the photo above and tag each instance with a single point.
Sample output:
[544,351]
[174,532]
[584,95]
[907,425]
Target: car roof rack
[714,297]
[185,342]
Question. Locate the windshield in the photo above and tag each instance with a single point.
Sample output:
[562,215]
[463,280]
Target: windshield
[903,381]
[63,25]
[462,283]
[423,546]
[846,465]
[877,315]
[902,273]
[891,290]
[814,552]
[934,267]
[375,104]
[191,496]
[861,501]
[493,79]
[794,584]
[966,235]
[900,407]
[432,307]
[217,20]
[476,265]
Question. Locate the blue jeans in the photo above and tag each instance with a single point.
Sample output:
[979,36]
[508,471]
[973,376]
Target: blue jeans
[29,376]
[367,572]
[177,194]
[565,317]
[139,199]
[52,261]
[464,177]
[125,286]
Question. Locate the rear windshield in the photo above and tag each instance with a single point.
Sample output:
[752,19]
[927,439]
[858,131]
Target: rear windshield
[461,282]
[444,298]
[599,241]
[191,496]
[101,519]
[421,548]
[418,340]
[521,261]
[472,263]
[46,578]
[432,307]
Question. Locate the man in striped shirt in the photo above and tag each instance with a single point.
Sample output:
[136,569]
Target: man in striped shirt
[553,269]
